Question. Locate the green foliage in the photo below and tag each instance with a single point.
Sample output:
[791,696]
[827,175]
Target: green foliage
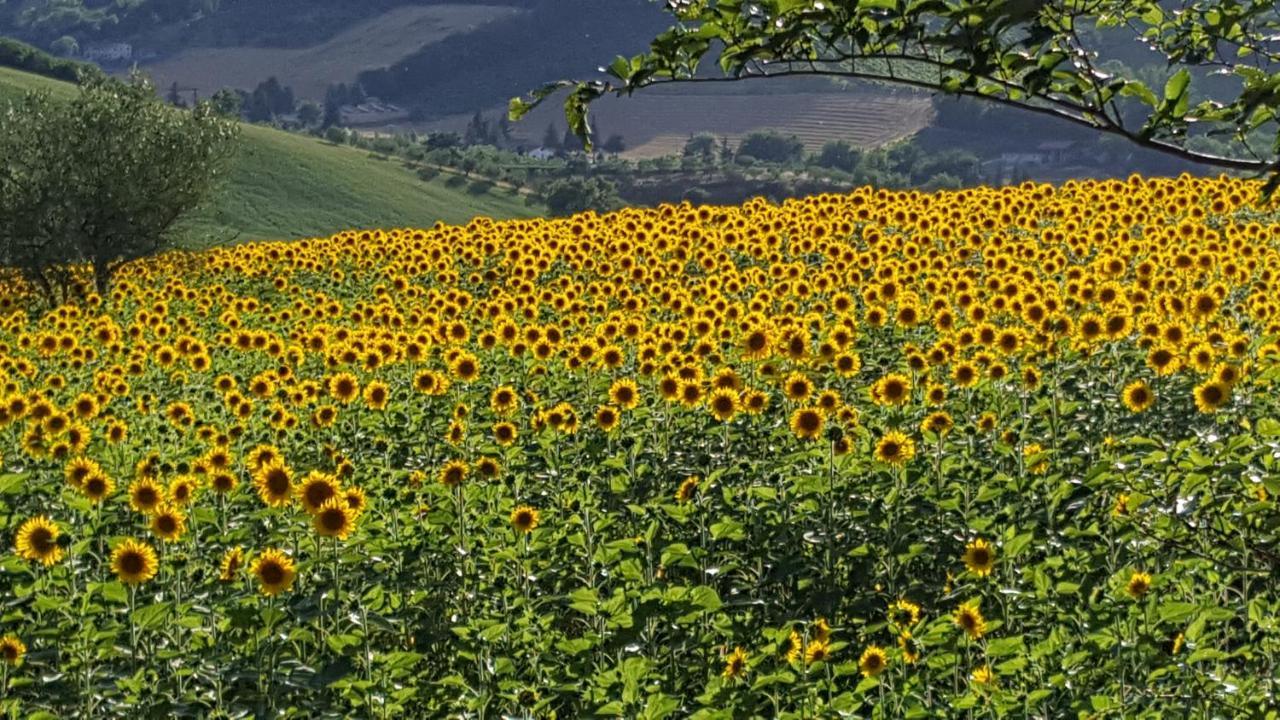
[701,146]
[20,56]
[772,147]
[839,155]
[577,194]
[124,170]
[1045,57]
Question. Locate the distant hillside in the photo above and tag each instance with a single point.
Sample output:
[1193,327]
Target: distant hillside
[284,186]
[553,39]
[372,44]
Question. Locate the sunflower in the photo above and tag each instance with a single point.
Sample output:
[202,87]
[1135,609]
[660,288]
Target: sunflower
[1137,396]
[465,367]
[453,473]
[134,562]
[979,557]
[232,563]
[607,418]
[873,661]
[223,482]
[723,404]
[1211,395]
[755,344]
[895,448]
[182,490]
[344,387]
[377,395]
[817,651]
[904,613]
[1139,585]
[504,433]
[625,394]
[79,470]
[690,394]
[807,422]
[821,630]
[274,483]
[97,487]
[333,519]
[168,522]
[735,665]
[969,619]
[797,387]
[755,401]
[847,364]
[274,571]
[984,676]
[504,400]
[892,389]
[909,646]
[938,423]
[11,650]
[316,489]
[794,648]
[524,519]
[356,500]
[37,541]
[687,488]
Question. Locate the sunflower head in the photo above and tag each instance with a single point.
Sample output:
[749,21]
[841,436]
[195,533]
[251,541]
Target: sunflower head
[11,650]
[334,519]
[231,565]
[735,665]
[1139,585]
[874,660]
[316,489]
[979,557]
[895,448]
[134,562]
[969,619]
[37,541]
[274,571]
[524,519]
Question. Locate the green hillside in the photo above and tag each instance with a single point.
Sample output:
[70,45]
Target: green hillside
[284,185]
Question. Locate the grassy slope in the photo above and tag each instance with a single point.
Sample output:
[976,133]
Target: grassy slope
[283,185]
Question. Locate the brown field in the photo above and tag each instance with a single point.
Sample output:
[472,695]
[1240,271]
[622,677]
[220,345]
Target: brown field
[375,43]
[657,124]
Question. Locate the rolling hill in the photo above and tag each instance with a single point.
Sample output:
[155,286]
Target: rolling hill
[375,43]
[283,185]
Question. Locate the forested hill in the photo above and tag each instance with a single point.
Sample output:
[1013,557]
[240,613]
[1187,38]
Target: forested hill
[553,39]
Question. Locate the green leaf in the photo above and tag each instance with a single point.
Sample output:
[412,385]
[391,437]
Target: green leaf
[151,616]
[1176,96]
[706,598]
[11,483]
[1174,611]
[1005,646]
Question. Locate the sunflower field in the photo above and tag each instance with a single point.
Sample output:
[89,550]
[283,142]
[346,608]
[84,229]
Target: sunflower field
[999,452]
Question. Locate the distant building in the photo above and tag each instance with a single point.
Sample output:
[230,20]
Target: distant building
[541,153]
[1057,151]
[372,112]
[108,52]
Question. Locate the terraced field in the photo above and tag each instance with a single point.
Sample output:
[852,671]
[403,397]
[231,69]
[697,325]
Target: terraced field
[657,124]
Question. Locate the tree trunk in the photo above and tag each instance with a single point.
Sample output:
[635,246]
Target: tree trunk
[45,287]
[102,277]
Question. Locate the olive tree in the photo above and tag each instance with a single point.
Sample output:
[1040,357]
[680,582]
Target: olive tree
[1086,61]
[103,179]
